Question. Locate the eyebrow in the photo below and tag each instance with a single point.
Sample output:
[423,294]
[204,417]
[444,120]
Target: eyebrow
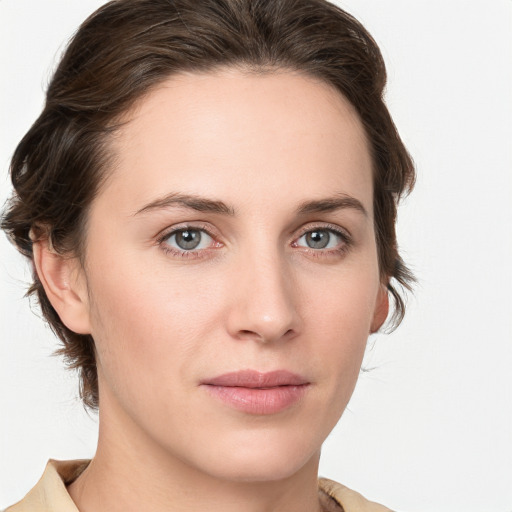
[203,204]
[192,202]
[331,204]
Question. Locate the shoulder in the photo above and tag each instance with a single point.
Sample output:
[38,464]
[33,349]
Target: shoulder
[347,499]
[50,494]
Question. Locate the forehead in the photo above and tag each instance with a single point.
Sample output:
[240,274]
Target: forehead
[229,133]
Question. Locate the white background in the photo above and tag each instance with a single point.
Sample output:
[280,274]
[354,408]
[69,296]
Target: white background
[430,428]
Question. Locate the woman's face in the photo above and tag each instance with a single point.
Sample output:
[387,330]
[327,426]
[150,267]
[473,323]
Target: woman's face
[231,276]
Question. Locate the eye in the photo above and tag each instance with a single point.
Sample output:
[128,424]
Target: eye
[322,238]
[188,239]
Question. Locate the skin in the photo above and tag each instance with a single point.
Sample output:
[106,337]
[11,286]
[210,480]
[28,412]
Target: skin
[254,295]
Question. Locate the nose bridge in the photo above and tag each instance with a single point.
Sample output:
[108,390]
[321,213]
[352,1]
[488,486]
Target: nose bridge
[264,306]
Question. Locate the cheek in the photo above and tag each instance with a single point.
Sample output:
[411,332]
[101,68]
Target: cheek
[147,322]
[338,320]
[342,301]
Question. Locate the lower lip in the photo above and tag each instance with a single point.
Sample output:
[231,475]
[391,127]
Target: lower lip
[257,400]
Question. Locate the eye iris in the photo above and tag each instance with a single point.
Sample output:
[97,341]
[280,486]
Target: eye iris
[188,239]
[317,239]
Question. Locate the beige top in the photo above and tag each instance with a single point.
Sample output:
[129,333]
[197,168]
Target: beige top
[50,494]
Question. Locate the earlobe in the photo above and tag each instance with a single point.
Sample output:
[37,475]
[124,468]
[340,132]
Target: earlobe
[64,286]
[381,309]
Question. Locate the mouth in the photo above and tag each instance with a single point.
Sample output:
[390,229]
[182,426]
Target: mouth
[258,393]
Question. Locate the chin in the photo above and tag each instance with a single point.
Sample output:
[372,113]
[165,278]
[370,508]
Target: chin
[267,458]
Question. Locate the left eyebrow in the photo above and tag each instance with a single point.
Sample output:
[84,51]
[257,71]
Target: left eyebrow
[331,204]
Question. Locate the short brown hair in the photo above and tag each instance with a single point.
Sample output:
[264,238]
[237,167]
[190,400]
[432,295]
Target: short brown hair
[125,49]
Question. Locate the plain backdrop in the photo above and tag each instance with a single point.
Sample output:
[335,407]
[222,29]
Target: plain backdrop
[430,427]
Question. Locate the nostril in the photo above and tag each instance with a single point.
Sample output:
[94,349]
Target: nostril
[265,337]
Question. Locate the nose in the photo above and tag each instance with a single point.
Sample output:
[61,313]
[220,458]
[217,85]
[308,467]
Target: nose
[264,299]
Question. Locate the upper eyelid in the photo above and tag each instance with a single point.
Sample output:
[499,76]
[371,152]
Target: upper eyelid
[171,230]
[328,227]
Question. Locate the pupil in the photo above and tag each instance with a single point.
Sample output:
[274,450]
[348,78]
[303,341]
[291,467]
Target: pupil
[317,239]
[188,239]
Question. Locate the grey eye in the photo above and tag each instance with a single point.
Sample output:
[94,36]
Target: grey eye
[189,239]
[317,239]
[320,239]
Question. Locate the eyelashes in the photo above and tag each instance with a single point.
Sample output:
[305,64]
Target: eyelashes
[197,241]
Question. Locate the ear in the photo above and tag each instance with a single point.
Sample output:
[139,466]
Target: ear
[381,309]
[65,286]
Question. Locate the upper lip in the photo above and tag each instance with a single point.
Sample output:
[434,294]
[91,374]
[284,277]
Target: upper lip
[255,379]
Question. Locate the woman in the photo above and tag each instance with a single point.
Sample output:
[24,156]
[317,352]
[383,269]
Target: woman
[209,202]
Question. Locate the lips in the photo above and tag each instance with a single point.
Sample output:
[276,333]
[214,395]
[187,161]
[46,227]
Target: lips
[254,392]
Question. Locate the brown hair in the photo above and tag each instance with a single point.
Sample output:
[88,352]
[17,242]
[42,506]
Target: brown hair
[125,49]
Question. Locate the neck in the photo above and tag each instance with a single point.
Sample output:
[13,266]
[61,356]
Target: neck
[130,473]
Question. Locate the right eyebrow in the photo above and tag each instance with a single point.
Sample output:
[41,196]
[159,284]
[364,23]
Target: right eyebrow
[193,202]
